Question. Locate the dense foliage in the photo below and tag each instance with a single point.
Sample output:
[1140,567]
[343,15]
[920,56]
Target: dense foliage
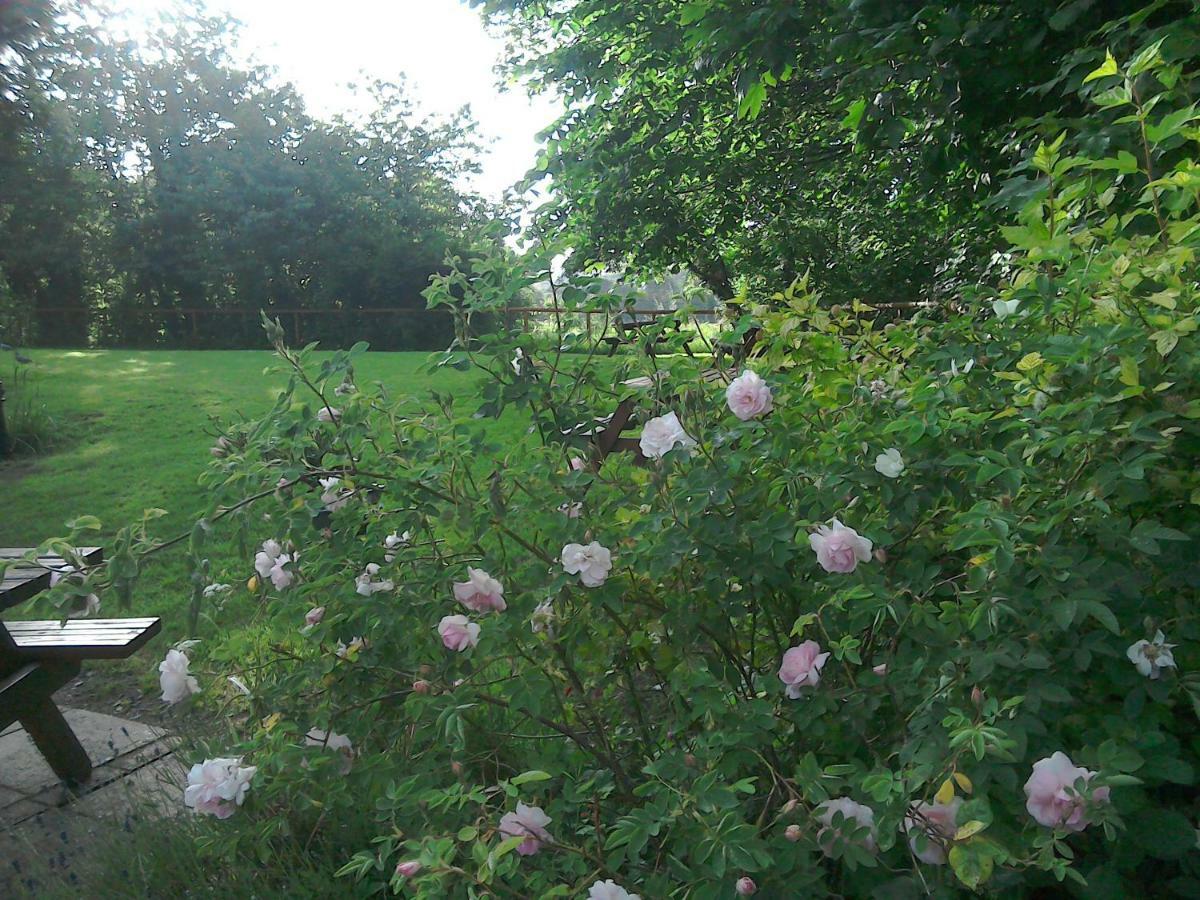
[909,611]
[755,140]
[142,182]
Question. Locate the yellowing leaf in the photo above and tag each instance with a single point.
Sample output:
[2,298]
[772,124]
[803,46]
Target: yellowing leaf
[963,782]
[945,793]
[1129,371]
[969,829]
[271,721]
[1030,361]
[252,584]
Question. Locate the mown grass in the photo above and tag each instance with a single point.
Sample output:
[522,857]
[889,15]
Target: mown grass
[133,432]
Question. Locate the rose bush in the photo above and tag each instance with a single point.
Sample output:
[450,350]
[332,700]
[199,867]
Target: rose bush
[701,681]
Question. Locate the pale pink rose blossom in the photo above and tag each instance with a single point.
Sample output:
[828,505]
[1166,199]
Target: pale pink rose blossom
[458,633]
[331,740]
[745,886]
[313,618]
[264,560]
[578,464]
[333,495]
[408,869]
[889,463]
[217,787]
[369,583]
[748,396]
[801,667]
[854,816]
[529,822]
[939,822]
[880,669]
[281,576]
[393,542]
[480,592]
[610,890]
[174,679]
[591,563]
[1151,657]
[662,435]
[329,414]
[1052,798]
[838,548]
[543,618]
[80,606]
[350,651]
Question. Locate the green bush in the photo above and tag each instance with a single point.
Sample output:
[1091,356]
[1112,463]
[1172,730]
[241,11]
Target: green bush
[1020,480]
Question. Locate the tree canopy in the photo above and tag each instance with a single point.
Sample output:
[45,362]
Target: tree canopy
[760,139]
[143,181]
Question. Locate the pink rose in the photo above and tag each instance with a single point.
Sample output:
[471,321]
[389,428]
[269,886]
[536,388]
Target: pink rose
[458,633]
[480,592]
[854,817]
[838,548]
[745,887]
[591,563]
[314,616]
[408,869]
[748,396]
[217,787]
[529,822]
[662,435]
[1052,797]
[801,667]
[938,822]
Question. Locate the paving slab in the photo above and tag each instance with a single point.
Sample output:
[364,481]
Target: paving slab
[45,850]
[49,834]
[103,737]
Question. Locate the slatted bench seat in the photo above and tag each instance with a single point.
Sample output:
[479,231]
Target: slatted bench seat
[37,658]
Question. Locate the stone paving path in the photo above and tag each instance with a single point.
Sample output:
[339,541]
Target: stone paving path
[47,831]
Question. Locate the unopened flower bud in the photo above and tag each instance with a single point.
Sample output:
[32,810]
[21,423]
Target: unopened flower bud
[456,767]
[793,833]
[791,806]
[746,886]
[881,555]
[421,687]
[408,869]
[977,696]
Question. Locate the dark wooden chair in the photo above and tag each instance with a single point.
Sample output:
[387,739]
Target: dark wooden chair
[37,658]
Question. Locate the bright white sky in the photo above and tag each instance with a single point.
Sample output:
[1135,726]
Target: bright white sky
[440,45]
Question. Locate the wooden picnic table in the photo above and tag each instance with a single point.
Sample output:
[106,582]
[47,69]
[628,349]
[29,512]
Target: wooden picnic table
[37,658]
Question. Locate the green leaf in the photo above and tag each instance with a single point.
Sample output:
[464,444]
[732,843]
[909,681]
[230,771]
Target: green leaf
[534,775]
[1105,69]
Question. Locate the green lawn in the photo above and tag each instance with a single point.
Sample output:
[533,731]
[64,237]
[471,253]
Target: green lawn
[137,429]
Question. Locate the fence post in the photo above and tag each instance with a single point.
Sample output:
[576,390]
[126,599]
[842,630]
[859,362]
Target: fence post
[3,426]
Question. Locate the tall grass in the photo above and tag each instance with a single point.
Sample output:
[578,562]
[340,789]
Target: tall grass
[32,428]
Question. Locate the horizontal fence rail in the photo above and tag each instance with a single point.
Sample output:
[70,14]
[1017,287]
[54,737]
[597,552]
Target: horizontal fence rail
[387,328]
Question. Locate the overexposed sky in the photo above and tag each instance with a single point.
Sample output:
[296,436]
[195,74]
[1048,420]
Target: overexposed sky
[440,45]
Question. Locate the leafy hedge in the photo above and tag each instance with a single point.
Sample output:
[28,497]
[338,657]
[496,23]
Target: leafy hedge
[685,677]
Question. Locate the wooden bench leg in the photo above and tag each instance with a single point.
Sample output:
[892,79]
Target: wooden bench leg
[57,742]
